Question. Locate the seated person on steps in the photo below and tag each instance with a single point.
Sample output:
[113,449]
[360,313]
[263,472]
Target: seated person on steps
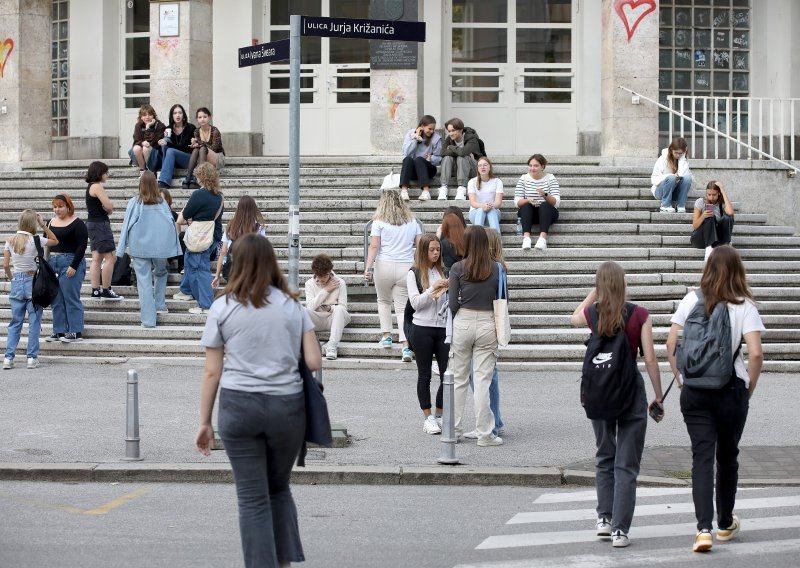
[326,302]
[461,148]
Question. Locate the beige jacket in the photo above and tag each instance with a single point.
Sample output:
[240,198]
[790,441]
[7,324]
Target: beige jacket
[316,295]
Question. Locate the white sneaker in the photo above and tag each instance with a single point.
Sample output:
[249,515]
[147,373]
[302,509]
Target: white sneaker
[708,253]
[198,310]
[443,193]
[461,193]
[430,426]
[541,244]
[331,353]
[434,369]
[681,209]
[404,194]
[425,195]
[471,435]
[182,296]
[619,539]
[439,421]
[526,242]
[603,527]
[666,210]
[8,363]
[493,441]
[33,362]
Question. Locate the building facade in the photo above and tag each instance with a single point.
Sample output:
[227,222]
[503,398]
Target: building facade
[528,75]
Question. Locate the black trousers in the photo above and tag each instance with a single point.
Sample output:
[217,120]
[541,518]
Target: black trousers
[715,420]
[544,215]
[418,169]
[712,232]
[429,342]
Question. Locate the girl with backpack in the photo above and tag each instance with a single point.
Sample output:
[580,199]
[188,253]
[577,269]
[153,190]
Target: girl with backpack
[426,293]
[620,440]
[246,219]
[19,262]
[715,417]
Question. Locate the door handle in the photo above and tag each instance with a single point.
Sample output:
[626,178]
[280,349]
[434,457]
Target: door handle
[519,83]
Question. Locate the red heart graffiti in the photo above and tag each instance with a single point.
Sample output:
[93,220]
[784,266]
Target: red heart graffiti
[6,47]
[628,10]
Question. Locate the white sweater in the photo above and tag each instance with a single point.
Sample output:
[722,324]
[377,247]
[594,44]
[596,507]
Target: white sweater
[426,309]
[316,295]
[661,170]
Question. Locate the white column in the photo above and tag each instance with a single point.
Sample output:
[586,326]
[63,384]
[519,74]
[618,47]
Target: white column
[587,88]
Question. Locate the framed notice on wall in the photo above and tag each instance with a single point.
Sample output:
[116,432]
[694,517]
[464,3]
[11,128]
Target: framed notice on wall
[169,19]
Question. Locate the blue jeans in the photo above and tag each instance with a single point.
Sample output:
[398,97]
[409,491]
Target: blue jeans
[197,276]
[172,157]
[262,436]
[153,161]
[67,307]
[494,400]
[151,298]
[668,191]
[479,216]
[20,298]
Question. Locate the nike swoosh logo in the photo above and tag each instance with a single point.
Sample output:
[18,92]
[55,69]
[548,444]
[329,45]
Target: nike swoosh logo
[602,358]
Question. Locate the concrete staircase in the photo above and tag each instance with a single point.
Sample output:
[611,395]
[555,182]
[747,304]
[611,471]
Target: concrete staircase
[607,213]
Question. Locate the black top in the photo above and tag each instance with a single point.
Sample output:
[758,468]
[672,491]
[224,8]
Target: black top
[449,255]
[183,140]
[94,208]
[203,206]
[473,295]
[71,239]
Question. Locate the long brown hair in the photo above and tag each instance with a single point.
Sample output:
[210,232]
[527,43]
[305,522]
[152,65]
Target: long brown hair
[477,260]
[491,169]
[254,271]
[610,285]
[148,189]
[427,120]
[724,279]
[676,144]
[496,247]
[423,263]
[246,219]
[453,231]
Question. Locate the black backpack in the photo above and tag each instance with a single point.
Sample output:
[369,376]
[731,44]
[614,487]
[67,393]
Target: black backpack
[122,275]
[482,148]
[704,355]
[408,315]
[608,381]
[45,281]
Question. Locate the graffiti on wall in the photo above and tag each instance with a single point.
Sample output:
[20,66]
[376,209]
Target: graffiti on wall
[6,47]
[395,98]
[632,12]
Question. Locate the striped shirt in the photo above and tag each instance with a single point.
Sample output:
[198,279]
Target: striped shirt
[527,188]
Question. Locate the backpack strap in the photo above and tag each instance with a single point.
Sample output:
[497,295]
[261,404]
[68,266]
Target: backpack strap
[39,251]
[415,270]
[593,318]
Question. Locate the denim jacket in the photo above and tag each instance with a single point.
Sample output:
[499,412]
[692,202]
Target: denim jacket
[148,231]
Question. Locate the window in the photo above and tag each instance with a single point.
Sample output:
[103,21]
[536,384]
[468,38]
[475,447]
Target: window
[59,69]
[704,51]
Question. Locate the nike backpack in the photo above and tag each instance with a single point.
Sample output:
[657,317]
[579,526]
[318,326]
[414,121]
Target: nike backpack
[608,381]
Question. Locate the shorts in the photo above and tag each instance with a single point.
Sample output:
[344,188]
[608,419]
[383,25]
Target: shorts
[100,237]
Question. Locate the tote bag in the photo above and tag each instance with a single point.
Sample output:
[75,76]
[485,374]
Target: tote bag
[200,234]
[502,323]
[45,281]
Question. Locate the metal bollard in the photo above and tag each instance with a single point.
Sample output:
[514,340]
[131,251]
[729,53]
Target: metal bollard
[448,456]
[132,418]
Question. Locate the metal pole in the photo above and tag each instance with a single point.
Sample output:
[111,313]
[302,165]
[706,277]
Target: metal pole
[448,456]
[294,152]
[132,418]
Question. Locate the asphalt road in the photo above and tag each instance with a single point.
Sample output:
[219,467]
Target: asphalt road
[195,525]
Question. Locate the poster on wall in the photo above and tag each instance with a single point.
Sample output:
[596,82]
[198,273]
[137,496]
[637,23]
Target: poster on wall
[168,19]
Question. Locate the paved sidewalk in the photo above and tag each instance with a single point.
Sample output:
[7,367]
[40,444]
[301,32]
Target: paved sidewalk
[71,417]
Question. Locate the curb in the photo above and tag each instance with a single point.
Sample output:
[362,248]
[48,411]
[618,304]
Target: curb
[337,475]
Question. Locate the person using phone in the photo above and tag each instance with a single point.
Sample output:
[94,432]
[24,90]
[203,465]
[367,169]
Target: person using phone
[712,224]
[422,152]
[326,303]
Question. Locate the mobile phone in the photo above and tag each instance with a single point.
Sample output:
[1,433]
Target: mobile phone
[709,207]
[656,410]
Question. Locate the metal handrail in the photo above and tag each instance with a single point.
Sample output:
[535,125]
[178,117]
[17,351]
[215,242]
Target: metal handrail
[712,129]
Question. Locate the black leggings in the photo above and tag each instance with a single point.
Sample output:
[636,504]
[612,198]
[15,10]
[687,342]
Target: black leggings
[545,215]
[417,168]
[713,233]
[429,341]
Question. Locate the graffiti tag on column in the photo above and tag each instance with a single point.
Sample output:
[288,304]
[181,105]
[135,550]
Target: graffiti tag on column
[632,12]
[6,47]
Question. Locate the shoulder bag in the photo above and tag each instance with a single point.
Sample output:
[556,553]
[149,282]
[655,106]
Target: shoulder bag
[318,421]
[200,234]
[45,281]
[502,323]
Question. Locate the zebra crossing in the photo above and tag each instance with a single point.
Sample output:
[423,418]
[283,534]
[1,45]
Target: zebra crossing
[558,532]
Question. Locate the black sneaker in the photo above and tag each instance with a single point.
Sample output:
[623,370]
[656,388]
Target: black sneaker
[96,293]
[69,337]
[109,294]
[54,337]
[193,184]
[78,336]
[163,185]
[185,184]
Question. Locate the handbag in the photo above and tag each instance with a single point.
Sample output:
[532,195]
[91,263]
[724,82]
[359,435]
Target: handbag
[200,234]
[391,181]
[318,421]
[502,323]
[45,281]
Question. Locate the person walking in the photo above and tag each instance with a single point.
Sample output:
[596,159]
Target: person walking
[426,293]
[246,219]
[712,222]
[19,263]
[150,233]
[620,441]
[67,259]
[715,418]
[326,302]
[472,288]
[261,403]
[389,258]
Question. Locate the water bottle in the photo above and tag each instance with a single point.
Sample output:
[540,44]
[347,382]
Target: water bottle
[519,226]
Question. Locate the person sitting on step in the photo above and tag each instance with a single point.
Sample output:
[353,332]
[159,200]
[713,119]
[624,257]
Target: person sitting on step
[671,177]
[485,196]
[176,145]
[326,302]
[422,152]
[712,224]
[537,196]
[461,149]
[206,144]
[147,134]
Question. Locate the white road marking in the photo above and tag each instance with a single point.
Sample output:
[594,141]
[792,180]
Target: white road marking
[591,495]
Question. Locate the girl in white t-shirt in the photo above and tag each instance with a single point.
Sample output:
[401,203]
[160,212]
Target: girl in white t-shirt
[394,234]
[715,418]
[485,196]
[19,262]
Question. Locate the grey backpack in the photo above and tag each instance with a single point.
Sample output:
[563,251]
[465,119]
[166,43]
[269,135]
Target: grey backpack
[704,356]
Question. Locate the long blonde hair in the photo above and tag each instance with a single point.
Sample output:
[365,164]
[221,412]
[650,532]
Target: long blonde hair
[391,209]
[496,247]
[610,284]
[27,223]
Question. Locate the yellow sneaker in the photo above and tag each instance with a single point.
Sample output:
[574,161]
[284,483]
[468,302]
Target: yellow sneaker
[703,541]
[730,532]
